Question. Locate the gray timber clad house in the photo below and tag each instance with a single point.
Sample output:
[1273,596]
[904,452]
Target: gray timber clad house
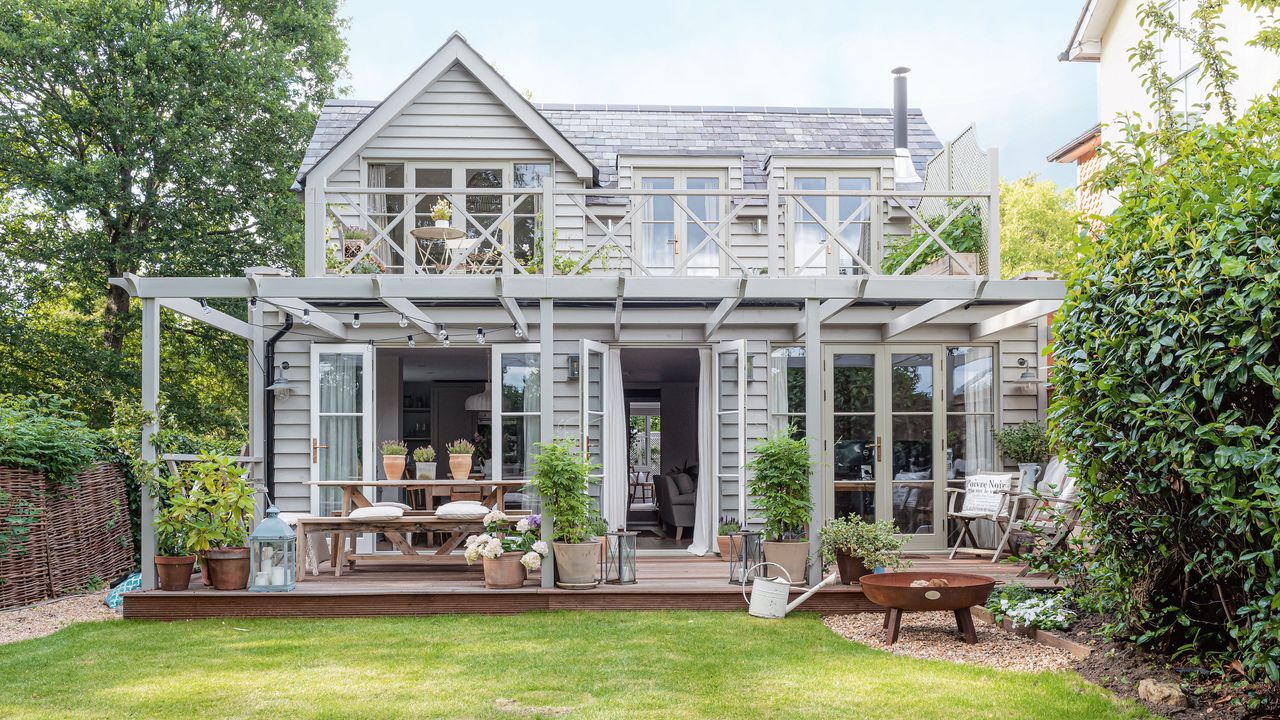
[726,269]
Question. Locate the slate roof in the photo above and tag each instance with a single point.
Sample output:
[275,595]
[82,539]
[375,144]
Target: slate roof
[602,132]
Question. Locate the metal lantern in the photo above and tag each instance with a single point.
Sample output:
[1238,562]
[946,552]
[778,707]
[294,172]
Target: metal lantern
[273,554]
[745,552]
[618,567]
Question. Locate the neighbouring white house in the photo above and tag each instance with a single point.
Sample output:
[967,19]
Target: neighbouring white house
[727,269]
[1107,31]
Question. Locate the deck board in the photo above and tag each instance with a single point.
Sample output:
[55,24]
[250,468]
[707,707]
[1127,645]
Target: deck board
[374,589]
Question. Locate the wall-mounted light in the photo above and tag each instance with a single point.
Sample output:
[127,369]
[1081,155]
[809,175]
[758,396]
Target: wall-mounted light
[1029,380]
[281,387]
[757,226]
[355,320]
[575,366]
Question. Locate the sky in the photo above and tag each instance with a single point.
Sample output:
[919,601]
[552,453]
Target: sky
[989,62]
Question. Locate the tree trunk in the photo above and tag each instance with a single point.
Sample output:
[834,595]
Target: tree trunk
[114,314]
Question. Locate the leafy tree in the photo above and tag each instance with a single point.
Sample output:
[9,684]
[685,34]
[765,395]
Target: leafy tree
[1039,227]
[150,137]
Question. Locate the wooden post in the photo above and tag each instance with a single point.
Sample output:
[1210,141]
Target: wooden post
[313,239]
[257,404]
[776,250]
[150,400]
[813,427]
[546,363]
[549,224]
[993,218]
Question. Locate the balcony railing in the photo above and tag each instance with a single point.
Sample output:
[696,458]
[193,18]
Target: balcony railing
[743,233]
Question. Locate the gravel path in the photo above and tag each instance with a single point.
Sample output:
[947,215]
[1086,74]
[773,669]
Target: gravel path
[933,636]
[45,618]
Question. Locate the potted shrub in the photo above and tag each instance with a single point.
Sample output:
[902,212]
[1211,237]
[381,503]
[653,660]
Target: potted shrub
[393,458]
[509,550]
[780,484]
[858,547]
[1028,445]
[460,452]
[424,463]
[727,525]
[221,504]
[560,475]
[174,560]
[442,212]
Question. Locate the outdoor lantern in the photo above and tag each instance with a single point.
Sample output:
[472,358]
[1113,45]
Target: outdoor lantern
[745,552]
[619,564]
[273,552]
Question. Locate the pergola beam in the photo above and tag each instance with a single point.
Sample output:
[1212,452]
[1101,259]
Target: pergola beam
[513,309]
[1021,315]
[919,316]
[209,316]
[302,309]
[617,308]
[413,314]
[726,306]
[830,308]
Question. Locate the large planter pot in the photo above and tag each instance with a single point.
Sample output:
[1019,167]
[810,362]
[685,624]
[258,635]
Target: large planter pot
[174,573]
[393,465]
[850,568]
[576,564]
[505,572]
[424,471]
[460,466]
[792,555]
[722,543]
[226,568]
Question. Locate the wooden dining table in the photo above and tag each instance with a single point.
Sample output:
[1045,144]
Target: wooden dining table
[492,493]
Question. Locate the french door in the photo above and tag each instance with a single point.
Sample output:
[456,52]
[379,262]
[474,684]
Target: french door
[674,238]
[885,435]
[517,412]
[594,439]
[341,423]
[730,379]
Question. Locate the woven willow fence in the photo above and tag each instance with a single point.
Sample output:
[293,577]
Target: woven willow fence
[57,540]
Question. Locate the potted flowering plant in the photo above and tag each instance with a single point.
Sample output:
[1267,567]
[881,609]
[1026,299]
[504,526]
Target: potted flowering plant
[509,550]
[220,504]
[442,212]
[728,525]
[460,452]
[858,547]
[393,452]
[424,463]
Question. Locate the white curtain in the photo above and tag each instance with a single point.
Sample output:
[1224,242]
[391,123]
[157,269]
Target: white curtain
[704,521]
[616,484]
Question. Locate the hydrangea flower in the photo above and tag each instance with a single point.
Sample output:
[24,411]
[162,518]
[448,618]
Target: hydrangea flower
[523,525]
[531,560]
[541,548]
[495,516]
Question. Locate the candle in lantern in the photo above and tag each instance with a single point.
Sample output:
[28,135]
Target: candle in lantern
[267,552]
[277,575]
[260,579]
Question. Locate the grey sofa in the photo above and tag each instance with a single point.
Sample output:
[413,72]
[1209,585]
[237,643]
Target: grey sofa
[676,508]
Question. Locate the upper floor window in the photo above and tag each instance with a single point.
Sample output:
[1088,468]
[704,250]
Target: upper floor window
[675,239]
[817,221]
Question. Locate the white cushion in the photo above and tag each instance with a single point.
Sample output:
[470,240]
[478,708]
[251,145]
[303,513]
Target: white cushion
[392,503]
[377,512]
[462,510]
[984,493]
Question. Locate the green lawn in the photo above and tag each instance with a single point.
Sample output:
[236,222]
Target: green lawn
[577,665]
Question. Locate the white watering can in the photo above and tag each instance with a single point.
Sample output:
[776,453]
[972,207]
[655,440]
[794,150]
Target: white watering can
[769,595]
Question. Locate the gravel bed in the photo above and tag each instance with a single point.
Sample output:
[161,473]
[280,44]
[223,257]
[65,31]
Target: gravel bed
[933,636]
[51,616]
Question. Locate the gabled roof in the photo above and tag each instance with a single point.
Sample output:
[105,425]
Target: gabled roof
[754,133]
[336,146]
[1079,145]
[1085,44]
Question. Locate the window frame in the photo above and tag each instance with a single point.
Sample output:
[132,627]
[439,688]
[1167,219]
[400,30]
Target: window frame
[680,176]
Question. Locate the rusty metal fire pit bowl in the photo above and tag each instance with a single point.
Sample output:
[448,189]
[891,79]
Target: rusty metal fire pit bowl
[893,591]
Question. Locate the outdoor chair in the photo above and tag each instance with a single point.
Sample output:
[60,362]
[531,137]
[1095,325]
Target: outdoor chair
[986,497]
[1051,512]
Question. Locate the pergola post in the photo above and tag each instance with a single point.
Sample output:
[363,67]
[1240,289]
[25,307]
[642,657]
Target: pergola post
[546,364]
[813,428]
[150,401]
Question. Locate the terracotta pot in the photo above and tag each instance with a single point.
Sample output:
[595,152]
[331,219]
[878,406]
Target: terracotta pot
[424,470]
[505,572]
[393,466]
[792,555]
[851,568]
[459,465]
[174,573]
[722,542]
[226,568]
[576,564]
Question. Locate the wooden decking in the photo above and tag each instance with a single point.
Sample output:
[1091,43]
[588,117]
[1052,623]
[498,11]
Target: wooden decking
[665,583]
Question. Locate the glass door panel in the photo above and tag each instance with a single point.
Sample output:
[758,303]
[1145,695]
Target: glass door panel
[912,433]
[591,379]
[341,421]
[706,260]
[855,447]
[857,234]
[807,230]
[658,235]
[517,410]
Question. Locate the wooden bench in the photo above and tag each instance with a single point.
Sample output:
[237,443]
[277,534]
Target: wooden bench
[342,527]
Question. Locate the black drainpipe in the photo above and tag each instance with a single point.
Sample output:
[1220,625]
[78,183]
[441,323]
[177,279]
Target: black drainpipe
[269,409]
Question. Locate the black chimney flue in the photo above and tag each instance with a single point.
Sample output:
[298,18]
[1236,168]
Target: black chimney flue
[900,106]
